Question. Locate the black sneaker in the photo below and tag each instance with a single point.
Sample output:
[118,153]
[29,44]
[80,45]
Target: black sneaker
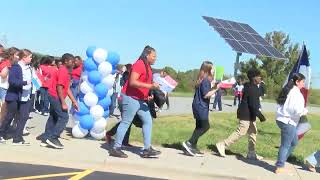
[188,147]
[20,143]
[147,153]
[116,152]
[198,153]
[54,142]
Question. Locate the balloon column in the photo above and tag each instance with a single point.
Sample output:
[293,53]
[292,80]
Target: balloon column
[95,91]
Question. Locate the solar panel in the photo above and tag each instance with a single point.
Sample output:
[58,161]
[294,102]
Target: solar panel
[243,38]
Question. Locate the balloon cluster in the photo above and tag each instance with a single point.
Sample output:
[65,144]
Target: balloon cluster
[96,89]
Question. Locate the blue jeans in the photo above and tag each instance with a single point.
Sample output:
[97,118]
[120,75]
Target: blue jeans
[44,100]
[217,100]
[75,88]
[289,139]
[113,104]
[75,92]
[131,107]
[3,93]
[57,120]
[314,159]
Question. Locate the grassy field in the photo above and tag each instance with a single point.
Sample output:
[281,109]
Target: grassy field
[171,131]
[315,96]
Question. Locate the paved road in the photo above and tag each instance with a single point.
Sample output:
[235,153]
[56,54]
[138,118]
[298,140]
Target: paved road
[10,170]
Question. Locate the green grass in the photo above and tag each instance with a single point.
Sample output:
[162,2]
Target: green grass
[171,131]
[315,97]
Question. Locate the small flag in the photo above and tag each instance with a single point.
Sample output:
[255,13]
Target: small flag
[227,84]
[36,83]
[167,84]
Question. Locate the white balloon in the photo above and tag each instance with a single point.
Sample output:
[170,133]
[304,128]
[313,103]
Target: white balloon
[79,132]
[108,81]
[90,99]
[99,126]
[97,111]
[100,55]
[105,68]
[86,87]
[110,92]
[84,76]
[98,136]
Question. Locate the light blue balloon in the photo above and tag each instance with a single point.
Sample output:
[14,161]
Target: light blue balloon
[86,121]
[101,90]
[113,58]
[114,71]
[94,77]
[106,114]
[105,103]
[83,109]
[90,65]
[90,51]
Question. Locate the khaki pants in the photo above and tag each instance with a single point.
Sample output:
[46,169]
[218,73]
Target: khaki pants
[245,127]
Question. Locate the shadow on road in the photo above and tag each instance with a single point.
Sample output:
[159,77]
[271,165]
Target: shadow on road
[176,145]
[213,148]
[261,164]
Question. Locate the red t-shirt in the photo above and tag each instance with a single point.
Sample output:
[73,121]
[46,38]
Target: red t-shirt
[61,77]
[4,63]
[46,75]
[76,72]
[139,93]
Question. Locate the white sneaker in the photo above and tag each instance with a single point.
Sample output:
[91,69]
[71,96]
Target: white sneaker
[2,140]
[221,149]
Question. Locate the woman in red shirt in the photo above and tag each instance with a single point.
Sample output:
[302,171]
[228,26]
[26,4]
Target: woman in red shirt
[135,93]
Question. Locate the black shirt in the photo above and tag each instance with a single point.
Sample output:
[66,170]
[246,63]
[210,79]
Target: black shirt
[249,106]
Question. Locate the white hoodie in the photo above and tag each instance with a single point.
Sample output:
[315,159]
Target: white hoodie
[293,108]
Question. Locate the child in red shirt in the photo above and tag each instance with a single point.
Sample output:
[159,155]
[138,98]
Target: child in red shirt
[58,90]
[46,71]
[76,73]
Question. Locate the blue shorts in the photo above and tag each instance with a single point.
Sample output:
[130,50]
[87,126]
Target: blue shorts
[3,93]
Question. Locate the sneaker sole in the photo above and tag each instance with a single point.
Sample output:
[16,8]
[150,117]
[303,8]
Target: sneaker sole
[149,156]
[220,150]
[17,144]
[43,145]
[53,145]
[188,150]
[113,155]
[199,155]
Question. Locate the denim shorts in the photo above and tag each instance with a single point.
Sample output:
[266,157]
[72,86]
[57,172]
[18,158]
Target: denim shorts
[3,93]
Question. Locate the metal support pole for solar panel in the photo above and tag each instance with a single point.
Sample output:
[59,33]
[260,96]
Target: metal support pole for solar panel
[237,65]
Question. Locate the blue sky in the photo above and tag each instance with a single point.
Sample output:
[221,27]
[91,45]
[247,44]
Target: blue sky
[174,27]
